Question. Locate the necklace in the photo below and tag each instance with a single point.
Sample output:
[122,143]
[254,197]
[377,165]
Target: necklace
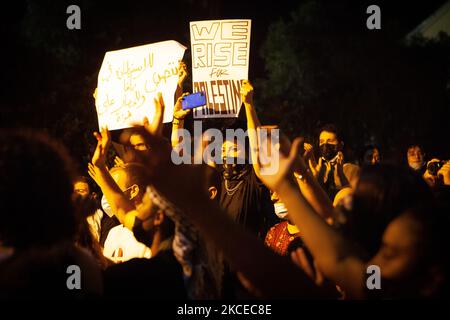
[231,191]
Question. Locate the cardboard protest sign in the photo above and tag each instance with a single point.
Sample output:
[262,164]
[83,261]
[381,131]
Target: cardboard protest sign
[129,80]
[220,59]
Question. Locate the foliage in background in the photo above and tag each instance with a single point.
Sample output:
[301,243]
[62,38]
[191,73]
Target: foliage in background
[323,67]
[314,62]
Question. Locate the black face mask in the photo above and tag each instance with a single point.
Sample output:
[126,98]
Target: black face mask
[233,171]
[328,151]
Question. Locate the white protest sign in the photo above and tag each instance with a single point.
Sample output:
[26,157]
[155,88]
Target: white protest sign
[129,80]
[220,59]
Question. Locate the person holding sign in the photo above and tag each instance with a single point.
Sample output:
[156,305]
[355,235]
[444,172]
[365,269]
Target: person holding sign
[244,197]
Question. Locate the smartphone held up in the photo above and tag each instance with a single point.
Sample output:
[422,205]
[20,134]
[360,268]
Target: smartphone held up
[194,100]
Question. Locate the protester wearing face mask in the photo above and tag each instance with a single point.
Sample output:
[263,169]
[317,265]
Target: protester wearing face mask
[282,235]
[330,170]
[107,221]
[243,196]
[245,200]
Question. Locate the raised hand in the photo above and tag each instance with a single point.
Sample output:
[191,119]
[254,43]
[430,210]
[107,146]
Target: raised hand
[118,162]
[93,174]
[151,132]
[101,151]
[182,73]
[444,173]
[247,92]
[178,112]
[309,158]
[286,162]
[155,127]
[340,160]
[309,151]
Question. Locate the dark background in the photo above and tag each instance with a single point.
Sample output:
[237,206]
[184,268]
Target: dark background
[312,62]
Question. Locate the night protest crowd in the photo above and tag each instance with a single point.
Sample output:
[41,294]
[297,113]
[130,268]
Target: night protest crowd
[157,230]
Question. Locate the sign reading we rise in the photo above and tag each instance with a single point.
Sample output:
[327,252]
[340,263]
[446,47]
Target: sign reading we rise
[220,60]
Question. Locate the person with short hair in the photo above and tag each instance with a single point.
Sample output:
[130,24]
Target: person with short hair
[331,171]
[41,224]
[415,156]
[370,155]
[123,188]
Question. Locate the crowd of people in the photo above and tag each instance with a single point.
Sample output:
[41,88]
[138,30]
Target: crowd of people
[157,230]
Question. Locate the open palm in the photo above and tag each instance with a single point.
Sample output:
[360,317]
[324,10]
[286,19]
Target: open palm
[281,165]
[101,151]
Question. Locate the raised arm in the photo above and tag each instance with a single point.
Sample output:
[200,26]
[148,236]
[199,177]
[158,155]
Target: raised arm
[120,204]
[178,121]
[274,276]
[333,254]
[182,75]
[311,190]
[247,98]
[308,185]
[252,118]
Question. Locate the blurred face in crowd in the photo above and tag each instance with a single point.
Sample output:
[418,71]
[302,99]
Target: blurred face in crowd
[343,198]
[329,145]
[231,149]
[279,207]
[328,137]
[415,157]
[81,188]
[138,143]
[149,213]
[399,253]
[121,178]
[372,156]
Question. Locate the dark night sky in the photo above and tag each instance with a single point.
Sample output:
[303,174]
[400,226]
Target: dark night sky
[130,23]
[46,67]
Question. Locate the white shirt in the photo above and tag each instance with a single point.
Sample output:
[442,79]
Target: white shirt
[121,245]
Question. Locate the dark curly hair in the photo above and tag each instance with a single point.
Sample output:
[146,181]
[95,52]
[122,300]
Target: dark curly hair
[36,177]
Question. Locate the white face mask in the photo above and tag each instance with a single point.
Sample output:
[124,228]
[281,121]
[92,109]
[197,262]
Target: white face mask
[416,165]
[106,207]
[280,210]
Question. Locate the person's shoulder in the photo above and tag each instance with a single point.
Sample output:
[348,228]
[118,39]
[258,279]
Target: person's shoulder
[351,169]
[116,229]
[351,166]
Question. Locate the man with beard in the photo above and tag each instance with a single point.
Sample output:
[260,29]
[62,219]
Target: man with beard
[331,171]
